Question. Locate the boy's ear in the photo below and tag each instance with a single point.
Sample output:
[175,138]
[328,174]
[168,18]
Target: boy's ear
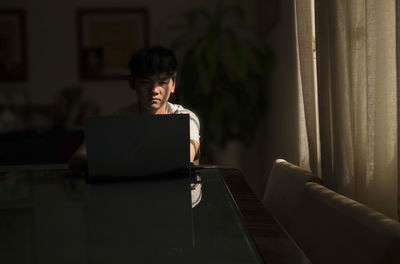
[132,83]
[173,85]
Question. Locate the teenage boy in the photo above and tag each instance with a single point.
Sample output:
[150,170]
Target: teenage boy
[153,78]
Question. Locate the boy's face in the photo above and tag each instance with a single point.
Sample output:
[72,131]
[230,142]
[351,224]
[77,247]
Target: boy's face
[153,92]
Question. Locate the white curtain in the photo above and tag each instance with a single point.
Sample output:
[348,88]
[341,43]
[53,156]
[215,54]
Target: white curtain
[348,128]
[309,155]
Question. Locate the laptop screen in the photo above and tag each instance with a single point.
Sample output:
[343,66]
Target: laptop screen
[137,146]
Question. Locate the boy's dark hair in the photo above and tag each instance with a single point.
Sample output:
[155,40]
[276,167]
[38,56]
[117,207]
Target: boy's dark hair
[153,60]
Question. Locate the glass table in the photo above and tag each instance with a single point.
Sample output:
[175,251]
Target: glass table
[45,218]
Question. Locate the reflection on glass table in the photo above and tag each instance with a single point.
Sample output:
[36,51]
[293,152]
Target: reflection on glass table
[47,217]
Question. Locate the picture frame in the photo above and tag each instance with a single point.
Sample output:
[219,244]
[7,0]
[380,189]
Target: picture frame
[13,51]
[107,37]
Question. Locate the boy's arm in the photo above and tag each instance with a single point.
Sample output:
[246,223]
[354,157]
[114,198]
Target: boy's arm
[78,160]
[194,147]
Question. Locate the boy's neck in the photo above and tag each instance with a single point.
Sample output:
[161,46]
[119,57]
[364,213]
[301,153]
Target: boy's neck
[161,111]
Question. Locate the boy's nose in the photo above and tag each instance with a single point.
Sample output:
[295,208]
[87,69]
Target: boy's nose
[154,89]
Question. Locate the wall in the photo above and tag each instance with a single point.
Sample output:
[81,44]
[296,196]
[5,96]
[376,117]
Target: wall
[278,136]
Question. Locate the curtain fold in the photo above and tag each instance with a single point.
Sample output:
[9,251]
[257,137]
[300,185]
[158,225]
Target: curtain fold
[349,127]
[398,100]
[307,89]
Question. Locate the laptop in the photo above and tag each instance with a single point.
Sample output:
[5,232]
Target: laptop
[137,146]
[151,207]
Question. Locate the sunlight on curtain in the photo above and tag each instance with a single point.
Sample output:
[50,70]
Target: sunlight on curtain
[357,84]
[309,148]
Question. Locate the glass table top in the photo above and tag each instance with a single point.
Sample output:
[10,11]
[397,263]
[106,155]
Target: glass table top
[49,217]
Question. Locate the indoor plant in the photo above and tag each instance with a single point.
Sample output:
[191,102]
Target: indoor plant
[224,72]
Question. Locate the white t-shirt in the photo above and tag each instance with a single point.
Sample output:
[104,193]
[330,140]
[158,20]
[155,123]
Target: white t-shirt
[133,109]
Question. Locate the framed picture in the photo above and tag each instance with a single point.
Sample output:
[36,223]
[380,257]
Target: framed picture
[106,40]
[13,58]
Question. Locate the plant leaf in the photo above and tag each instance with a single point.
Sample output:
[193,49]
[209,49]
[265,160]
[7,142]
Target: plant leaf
[239,13]
[177,43]
[238,55]
[191,18]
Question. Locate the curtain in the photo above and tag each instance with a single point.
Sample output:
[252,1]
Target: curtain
[348,115]
[309,156]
